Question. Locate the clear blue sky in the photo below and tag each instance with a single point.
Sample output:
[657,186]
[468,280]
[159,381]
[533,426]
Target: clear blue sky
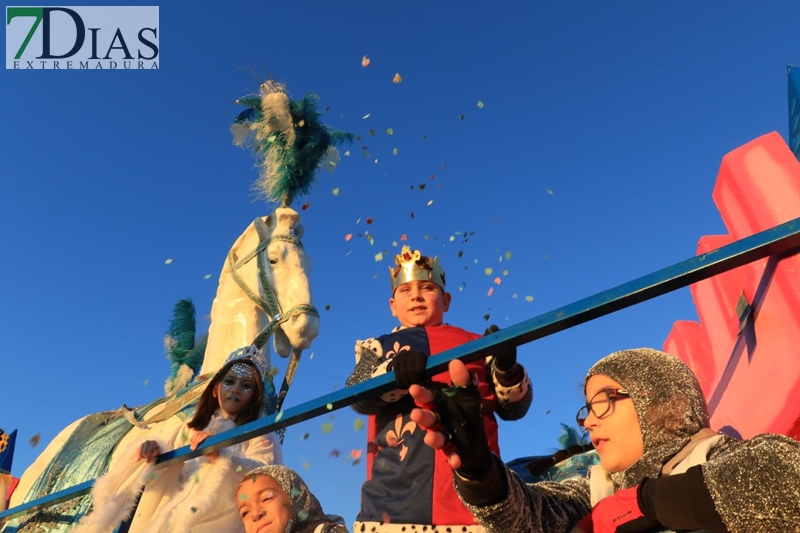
[592,161]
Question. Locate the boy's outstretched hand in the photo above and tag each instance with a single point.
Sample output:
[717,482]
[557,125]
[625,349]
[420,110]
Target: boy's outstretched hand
[409,368]
[454,423]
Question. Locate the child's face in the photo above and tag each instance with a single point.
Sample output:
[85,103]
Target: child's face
[616,436]
[263,505]
[236,389]
[419,303]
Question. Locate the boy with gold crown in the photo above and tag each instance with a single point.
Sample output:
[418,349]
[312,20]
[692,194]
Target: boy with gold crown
[409,484]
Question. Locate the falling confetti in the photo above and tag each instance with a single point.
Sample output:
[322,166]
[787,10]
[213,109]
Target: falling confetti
[34,441]
[462,116]
[329,406]
[397,78]
[480,104]
[488,271]
[368,221]
[306,436]
[505,272]
[365,117]
[371,133]
[347,153]
[549,192]
[515,295]
[348,236]
[497,281]
[491,291]
[358,424]
[356,454]
[168,262]
[207,276]
[305,206]
[146,382]
[389,131]
[336,191]
[430,202]
[328,307]
[306,465]
[365,61]
[422,186]
[403,237]
[239,468]
[334,453]
[508,255]
[278,416]
[327,427]
[394,151]
[529,298]
[379,257]
[412,214]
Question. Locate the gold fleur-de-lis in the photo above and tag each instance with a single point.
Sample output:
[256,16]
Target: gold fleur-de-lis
[397,349]
[395,436]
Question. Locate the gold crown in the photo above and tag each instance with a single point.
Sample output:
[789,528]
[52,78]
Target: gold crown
[411,265]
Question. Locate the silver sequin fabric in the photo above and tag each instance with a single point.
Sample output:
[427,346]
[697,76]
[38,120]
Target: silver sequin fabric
[755,484]
[305,505]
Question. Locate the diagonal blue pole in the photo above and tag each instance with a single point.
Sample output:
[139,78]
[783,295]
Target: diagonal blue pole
[781,241]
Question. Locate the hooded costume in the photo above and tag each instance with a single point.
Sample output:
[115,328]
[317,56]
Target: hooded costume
[308,515]
[742,486]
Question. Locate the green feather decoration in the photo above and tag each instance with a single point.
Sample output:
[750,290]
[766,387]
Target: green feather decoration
[288,139]
[184,354]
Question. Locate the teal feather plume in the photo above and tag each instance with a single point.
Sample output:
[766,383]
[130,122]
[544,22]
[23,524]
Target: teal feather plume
[182,351]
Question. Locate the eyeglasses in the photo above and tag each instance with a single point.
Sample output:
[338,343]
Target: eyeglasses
[600,404]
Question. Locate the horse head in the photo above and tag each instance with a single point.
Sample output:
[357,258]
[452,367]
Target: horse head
[285,275]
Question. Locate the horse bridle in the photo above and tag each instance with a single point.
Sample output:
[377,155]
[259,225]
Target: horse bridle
[270,304]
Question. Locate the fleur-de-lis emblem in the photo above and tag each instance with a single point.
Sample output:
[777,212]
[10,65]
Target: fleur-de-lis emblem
[395,436]
[3,441]
[397,349]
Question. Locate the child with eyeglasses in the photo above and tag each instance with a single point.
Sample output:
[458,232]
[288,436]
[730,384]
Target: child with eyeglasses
[661,467]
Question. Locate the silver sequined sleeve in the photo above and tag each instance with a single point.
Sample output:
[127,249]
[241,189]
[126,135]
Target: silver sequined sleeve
[544,507]
[755,484]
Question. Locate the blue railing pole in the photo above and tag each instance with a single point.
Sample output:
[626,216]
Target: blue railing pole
[781,240]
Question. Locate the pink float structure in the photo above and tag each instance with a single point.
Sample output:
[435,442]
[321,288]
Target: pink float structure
[744,350]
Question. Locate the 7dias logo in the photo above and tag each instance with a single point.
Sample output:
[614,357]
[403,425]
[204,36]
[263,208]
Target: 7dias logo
[82,38]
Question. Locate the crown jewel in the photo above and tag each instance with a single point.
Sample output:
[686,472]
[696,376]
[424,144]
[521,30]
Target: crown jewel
[411,265]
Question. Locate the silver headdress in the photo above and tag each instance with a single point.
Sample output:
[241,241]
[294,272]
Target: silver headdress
[305,505]
[253,354]
[411,265]
[668,402]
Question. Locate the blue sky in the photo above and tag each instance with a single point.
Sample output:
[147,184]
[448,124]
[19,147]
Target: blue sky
[592,161]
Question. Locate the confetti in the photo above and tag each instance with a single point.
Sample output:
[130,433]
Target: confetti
[328,307]
[488,270]
[334,453]
[505,272]
[549,192]
[301,123]
[239,468]
[508,255]
[422,186]
[365,61]
[368,221]
[548,412]
[480,104]
[305,206]
[348,236]
[403,237]
[34,441]
[379,257]
[452,238]
[386,518]
[168,262]
[146,382]
[394,151]
[515,295]
[207,276]
[306,436]
[412,214]
[491,291]
[497,281]
[394,244]
[529,298]
[370,239]
[371,132]
[389,131]
[327,427]
[462,116]
[306,465]
[365,117]
[329,406]
[358,424]
[430,202]
[397,78]
[347,153]
[278,416]
[336,191]
[356,454]
[310,357]
[356,462]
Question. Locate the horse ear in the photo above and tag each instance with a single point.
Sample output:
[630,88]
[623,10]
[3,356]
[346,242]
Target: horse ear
[261,228]
[299,230]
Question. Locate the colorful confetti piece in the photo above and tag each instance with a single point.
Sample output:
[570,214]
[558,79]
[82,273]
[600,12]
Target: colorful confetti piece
[365,117]
[334,453]
[305,206]
[549,192]
[488,270]
[491,291]
[430,202]
[508,255]
[497,281]
[347,153]
[34,441]
[327,427]
[336,191]
[207,276]
[329,406]
[397,78]
[480,104]
[529,298]
[306,465]
[358,424]
[394,151]
[365,61]
[368,221]
[505,272]
[379,257]
[146,382]
[168,262]
[348,236]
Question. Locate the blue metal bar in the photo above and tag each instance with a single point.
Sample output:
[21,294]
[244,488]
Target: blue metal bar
[781,240]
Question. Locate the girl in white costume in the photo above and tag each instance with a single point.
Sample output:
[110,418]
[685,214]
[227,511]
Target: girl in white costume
[185,497]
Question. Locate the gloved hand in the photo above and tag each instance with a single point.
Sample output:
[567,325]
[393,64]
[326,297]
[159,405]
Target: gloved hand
[504,359]
[409,368]
[621,512]
[456,411]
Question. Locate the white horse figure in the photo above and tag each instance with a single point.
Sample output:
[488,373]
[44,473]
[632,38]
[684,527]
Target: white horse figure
[252,301]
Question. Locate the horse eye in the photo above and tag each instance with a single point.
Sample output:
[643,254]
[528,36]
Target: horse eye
[273,261]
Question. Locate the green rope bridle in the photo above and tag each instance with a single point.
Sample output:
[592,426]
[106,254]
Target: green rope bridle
[270,304]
